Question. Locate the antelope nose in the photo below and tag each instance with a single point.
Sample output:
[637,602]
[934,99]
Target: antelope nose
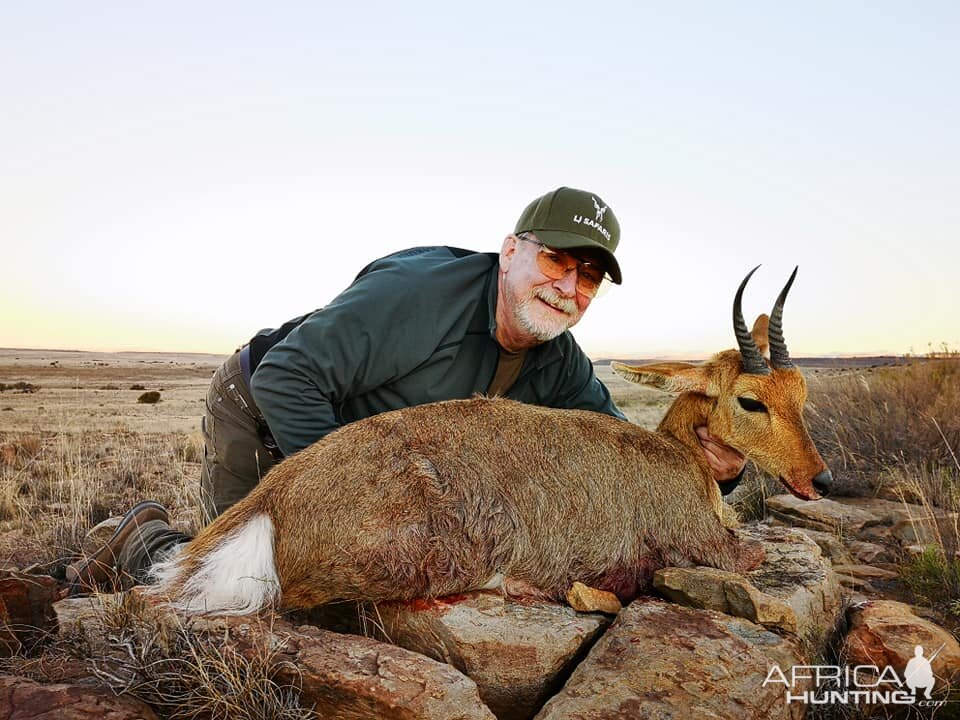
[822,482]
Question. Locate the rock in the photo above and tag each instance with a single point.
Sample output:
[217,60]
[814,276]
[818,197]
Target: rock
[866,552]
[796,573]
[344,677]
[830,546]
[866,518]
[927,531]
[348,677]
[865,572]
[856,584]
[517,654]
[884,632]
[726,592]
[24,699]
[919,549]
[660,660]
[26,610]
[793,590]
[884,512]
[825,515]
[583,598]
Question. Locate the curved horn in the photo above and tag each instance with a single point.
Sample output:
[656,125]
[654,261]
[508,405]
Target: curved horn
[752,359]
[779,357]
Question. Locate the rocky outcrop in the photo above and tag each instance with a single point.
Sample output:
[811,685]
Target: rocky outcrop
[518,654]
[884,632]
[866,519]
[349,677]
[24,699]
[660,660]
[26,610]
[825,515]
[793,591]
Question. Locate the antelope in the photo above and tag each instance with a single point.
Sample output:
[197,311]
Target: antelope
[494,494]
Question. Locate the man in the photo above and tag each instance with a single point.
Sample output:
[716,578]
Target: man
[418,326]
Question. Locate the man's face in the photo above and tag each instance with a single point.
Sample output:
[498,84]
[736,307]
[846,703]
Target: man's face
[536,306]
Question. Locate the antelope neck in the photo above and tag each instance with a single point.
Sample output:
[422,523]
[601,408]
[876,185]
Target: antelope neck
[688,411]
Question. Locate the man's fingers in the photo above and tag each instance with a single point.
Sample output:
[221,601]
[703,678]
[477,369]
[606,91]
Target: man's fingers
[725,462]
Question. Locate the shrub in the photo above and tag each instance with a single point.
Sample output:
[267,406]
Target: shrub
[20,387]
[149,397]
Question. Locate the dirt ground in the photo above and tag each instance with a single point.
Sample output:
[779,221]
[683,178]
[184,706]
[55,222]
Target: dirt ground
[99,391]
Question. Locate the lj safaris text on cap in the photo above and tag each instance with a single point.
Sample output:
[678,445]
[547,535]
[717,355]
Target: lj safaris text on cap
[580,219]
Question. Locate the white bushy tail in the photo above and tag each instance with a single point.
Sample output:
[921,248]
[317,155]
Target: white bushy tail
[237,577]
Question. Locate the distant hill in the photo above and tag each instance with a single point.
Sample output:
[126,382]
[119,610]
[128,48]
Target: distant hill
[814,362]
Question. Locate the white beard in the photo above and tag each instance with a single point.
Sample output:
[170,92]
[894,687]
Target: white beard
[541,323]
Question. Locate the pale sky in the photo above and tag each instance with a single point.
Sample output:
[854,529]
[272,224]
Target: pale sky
[175,176]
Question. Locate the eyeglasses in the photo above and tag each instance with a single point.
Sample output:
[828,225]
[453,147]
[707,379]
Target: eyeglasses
[555,264]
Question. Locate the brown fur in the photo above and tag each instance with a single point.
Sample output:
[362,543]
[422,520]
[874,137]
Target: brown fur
[436,499]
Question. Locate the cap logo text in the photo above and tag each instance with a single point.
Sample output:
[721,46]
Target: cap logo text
[600,210]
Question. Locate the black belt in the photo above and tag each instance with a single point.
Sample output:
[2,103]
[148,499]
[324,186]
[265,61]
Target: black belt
[245,363]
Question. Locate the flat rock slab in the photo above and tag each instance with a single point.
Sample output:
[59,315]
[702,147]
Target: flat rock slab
[867,552]
[830,545]
[794,590]
[885,632]
[866,572]
[865,518]
[825,515]
[659,660]
[24,699]
[518,654]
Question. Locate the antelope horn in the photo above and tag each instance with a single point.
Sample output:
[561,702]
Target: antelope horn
[752,359]
[779,357]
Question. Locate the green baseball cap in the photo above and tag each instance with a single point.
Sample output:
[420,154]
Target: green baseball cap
[567,218]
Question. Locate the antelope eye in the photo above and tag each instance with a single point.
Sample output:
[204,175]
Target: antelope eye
[751,405]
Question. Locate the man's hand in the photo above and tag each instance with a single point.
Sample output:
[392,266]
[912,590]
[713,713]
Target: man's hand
[725,462]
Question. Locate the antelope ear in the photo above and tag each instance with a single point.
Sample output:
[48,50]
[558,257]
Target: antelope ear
[761,335]
[675,377]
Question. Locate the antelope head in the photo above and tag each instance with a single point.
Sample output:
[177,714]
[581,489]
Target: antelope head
[751,402]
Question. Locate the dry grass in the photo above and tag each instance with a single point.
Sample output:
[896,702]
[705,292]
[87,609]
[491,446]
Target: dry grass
[55,486]
[184,674]
[890,420]
[180,673]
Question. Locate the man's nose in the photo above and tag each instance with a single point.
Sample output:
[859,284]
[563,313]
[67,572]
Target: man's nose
[568,283]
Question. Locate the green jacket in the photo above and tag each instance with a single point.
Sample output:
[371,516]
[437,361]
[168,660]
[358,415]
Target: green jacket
[414,327]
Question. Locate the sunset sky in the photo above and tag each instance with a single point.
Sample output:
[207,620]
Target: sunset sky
[175,176]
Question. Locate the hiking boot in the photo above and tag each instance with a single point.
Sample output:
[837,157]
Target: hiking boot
[101,569]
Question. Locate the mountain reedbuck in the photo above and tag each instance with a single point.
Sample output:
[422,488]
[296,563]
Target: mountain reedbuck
[488,493]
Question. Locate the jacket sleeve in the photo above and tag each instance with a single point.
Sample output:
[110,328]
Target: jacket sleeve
[372,333]
[581,389]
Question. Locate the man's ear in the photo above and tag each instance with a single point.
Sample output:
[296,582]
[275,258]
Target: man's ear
[507,251]
[675,377]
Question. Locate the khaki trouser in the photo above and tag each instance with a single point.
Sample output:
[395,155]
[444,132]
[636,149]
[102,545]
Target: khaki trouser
[235,458]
